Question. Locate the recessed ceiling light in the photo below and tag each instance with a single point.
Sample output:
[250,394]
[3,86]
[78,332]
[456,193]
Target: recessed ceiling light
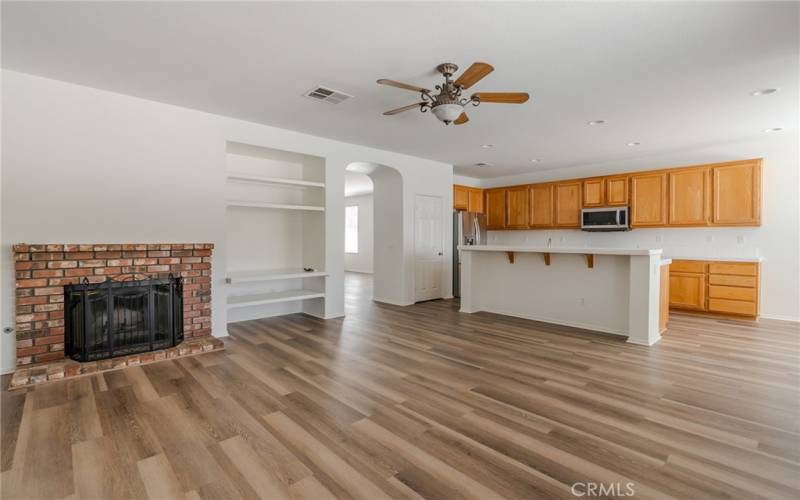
[487,146]
[634,143]
[596,122]
[773,129]
[535,160]
[763,92]
[483,164]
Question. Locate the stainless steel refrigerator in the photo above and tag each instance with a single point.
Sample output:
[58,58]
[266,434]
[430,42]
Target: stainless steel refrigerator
[469,228]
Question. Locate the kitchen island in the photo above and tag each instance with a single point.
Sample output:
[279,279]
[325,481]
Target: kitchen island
[607,290]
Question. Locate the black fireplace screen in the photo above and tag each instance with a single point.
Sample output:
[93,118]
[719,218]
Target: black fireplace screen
[115,318]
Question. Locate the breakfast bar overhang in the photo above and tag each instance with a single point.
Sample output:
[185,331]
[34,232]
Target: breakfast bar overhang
[607,290]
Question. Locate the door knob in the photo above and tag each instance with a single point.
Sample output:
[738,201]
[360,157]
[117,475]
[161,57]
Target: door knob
[440,253]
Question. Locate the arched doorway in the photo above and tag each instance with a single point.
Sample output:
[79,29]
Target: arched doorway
[387,231]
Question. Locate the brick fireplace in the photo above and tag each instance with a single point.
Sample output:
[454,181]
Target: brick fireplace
[43,270]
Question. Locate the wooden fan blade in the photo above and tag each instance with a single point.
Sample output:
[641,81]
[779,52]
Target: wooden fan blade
[474,74]
[502,97]
[401,85]
[404,108]
[463,118]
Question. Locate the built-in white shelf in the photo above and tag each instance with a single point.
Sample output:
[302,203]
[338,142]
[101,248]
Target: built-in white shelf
[272,298]
[279,206]
[271,275]
[274,180]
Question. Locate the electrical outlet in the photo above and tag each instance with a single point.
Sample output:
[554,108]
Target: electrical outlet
[582,301]
[740,239]
[658,239]
[709,239]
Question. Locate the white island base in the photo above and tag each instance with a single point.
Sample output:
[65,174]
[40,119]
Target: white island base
[607,290]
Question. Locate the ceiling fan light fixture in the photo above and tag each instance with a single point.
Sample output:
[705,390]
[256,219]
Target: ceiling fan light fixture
[447,113]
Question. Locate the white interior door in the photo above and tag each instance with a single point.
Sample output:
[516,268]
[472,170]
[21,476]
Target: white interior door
[428,251]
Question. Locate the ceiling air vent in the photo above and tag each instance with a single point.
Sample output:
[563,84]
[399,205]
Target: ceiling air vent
[325,94]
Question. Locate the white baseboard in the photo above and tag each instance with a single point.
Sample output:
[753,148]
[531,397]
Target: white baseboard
[780,318]
[392,302]
[636,342]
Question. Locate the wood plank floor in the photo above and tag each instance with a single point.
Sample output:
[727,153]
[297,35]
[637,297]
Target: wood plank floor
[422,401]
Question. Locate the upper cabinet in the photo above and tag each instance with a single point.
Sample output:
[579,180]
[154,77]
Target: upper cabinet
[495,204]
[475,200]
[617,190]
[736,193]
[460,197]
[540,200]
[467,198]
[689,197]
[720,194]
[594,192]
[568,204]
[649,199]
[517,207]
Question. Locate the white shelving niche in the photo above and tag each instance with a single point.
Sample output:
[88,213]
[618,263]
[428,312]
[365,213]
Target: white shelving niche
[275,223]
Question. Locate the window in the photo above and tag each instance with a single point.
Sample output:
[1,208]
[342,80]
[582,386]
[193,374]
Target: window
[351,229]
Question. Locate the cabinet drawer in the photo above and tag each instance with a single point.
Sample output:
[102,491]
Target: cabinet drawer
[688,266]
[736,268]
[732,307]
[732,292]
[730,280]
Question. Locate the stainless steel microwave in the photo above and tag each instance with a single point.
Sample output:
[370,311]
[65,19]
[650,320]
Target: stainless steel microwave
[605,219]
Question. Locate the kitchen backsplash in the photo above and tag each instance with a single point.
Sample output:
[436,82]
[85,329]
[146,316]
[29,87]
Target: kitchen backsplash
[688,242]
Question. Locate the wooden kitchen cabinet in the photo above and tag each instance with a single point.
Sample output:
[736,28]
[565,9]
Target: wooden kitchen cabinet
[475,200]
[663,298]
[617,190]
[729,288]
[649,199]
[568,204]
[460,197]
[467,198]
[721,194]
[736,194]
[689,197]
[495,204]
[687,291]
[594,192]
[517,208]
[540,200]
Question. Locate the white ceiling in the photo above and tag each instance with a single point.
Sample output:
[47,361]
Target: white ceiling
[667,74]
[356,183]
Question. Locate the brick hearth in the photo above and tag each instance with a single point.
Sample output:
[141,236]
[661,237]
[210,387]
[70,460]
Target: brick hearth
[43,270]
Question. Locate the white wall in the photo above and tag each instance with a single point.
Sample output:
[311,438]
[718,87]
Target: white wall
[82,165]
[361,262]
[777,240]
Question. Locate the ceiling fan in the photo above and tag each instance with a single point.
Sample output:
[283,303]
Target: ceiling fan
[448,105]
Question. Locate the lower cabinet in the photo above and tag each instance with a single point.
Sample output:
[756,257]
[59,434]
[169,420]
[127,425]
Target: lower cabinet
[687,291]
[663,299]
[730,288]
